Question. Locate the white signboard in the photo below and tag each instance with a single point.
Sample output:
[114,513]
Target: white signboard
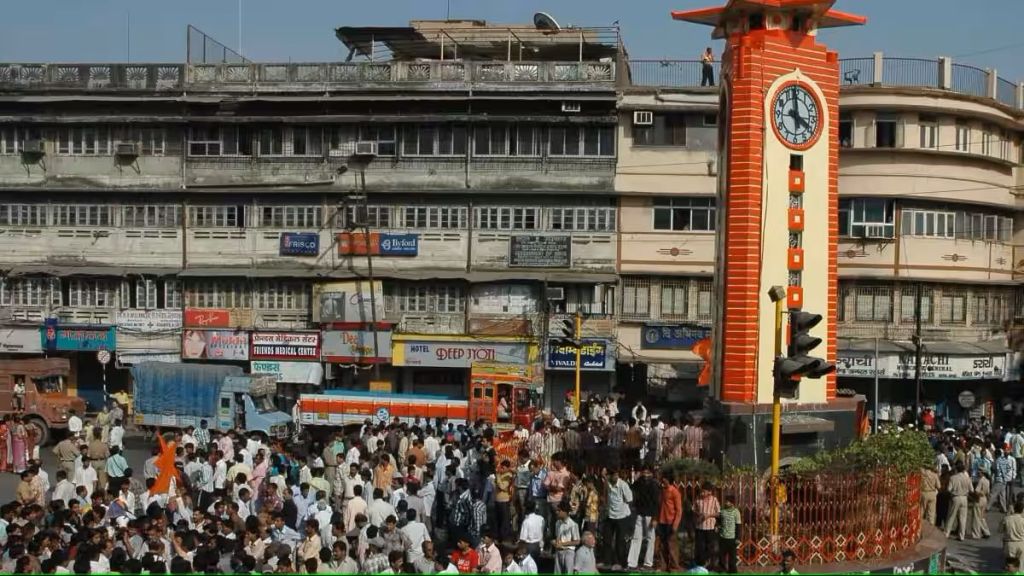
[933,366]
[20,340]
[290,372]
[149,320]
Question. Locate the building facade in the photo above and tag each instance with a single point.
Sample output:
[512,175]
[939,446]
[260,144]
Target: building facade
[501,180]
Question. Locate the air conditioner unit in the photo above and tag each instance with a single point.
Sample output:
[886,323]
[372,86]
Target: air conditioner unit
[573,107]
[366,148]
[35,146]
[128,149]
[643,118]
[556,293]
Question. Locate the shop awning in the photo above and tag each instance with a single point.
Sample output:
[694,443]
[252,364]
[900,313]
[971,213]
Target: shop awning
[134,357]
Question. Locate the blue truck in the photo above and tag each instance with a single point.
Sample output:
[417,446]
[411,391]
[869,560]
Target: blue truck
[177,395]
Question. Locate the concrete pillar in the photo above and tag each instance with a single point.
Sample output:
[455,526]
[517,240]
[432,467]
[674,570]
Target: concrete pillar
[945,73]
[879,67]
[1020,95]
[992,86]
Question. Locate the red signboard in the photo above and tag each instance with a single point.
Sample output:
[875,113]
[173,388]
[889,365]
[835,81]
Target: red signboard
[354,244]
[207,318]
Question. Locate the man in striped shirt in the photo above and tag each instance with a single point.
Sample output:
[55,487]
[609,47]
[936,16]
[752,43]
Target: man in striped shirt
[705,510]
[202,436]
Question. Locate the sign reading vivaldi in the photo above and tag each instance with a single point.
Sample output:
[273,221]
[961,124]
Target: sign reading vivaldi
[594,356]
[284,346]
[933,366]
[461,354]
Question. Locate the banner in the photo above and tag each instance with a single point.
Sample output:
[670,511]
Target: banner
[379,244]
[594,356]
[460,354]
[215,345]
[671,336]
[149,320]
[285,346]
[290,372]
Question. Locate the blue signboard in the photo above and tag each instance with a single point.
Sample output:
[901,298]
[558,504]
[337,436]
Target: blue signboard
[399,244]
[300,244]
[672,336]
[76,338]
[593,355]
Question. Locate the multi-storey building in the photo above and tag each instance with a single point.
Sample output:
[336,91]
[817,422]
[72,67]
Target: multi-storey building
[929,184]
[509,177]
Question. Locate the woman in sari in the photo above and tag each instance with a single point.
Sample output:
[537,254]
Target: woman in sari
[5,445]
[19,445]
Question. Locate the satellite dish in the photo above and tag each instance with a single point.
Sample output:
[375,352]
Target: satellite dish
[544,21]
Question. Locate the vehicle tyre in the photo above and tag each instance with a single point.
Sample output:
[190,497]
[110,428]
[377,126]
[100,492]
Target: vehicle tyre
[42,429]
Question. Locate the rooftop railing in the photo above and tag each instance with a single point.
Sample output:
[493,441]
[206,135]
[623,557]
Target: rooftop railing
[235,76]
[878,70]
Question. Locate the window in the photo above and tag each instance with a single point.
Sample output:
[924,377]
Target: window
[172,294]
[22,215]
[307,141]
[143,295]
[434,217]
[237,140]
[151,216]
[30,292]
[929,224]
[85,141]
[372,216]
[343,138]
[908,300]
[711,120]
[82,215]
[583,219]
[595,300]
[225,141]
[846,131]
[953,308]
[213,294]
[973,226]
[152,140]
[276,295]
[424,297]
[10,139]
[505,140]
[581,141]
[866,218]
[989,308]
[963,138]
[433,140]
[986,141]
[873,304]
[504,218]
[929,128]
[674,298]
[885,131]
[271,141]
[690,214]
[705,295]
[667,130]
[636,297]
[204,141]
[92,293]
[216,216]
[290,216]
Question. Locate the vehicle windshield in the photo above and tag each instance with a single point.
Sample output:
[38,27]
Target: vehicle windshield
[264,404]
[49,384]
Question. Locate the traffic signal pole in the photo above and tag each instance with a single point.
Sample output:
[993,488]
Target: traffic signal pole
[776,426]
[579,360]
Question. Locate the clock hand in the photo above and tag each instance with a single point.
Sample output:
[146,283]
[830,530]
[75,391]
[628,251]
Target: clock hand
[797,118]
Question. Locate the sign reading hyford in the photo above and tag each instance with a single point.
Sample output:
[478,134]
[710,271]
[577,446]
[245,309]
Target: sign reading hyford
[933,366]
[527,251]
[378,244]
[284,346]
[461,354]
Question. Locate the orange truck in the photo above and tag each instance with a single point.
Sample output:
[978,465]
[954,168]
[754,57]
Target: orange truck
[495,396]
[47,403]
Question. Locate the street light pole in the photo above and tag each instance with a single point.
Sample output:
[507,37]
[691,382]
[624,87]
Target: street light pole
[777,295]
[917,354]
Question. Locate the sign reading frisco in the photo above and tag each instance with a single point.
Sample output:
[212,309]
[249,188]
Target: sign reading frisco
[300,244]
[378,243]
[284,346]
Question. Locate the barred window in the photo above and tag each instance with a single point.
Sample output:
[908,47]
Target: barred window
[30,292]
[22,214]
[141,293]
[674,298]
[908,305]
[272,295]
[271,141]
[434,217]
[636,297]
[953,307]
[705,299]
[218,294]
[172,294]
[505,140]
[372,216]
[290,216]
[507,218]
[583,219]
[92,293]
[307,141]
[418,297]
[151,216]
[873,304]
[216,216]
[82,215]
[989,308]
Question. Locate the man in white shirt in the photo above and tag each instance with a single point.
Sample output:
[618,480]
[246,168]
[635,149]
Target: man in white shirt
[416,534]
[117,435]
[531,533]
[65,489]
[86,476]
[355,507]
[379,509]
[526,563]
[74,424]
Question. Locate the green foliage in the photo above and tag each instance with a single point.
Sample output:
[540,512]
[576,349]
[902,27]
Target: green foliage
[902,451]
[690,468]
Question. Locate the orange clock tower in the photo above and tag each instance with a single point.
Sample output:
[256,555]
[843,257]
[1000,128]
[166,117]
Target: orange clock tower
[778,187]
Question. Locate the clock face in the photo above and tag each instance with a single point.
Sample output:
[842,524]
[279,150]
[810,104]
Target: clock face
[796,116]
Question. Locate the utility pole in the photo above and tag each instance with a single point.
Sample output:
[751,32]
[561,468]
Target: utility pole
[917,353]
[579,361]
[874,421]
[369,272]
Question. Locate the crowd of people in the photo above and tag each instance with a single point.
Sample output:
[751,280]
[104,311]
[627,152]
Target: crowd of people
[414,497]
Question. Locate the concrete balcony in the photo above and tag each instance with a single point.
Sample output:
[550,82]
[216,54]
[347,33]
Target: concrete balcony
[937,259]
[52,171]
[54,248]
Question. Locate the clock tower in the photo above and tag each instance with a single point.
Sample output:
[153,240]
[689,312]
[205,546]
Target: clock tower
[778,189]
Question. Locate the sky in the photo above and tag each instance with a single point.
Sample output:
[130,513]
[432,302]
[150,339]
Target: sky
[985,33]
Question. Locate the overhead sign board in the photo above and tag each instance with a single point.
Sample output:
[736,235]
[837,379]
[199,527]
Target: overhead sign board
[672,336]
[529,251]
[378,244]
[593,355]
[285,346]
[215,345]
[300,244]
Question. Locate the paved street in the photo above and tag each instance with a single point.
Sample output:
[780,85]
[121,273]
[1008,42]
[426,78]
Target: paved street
[982,555]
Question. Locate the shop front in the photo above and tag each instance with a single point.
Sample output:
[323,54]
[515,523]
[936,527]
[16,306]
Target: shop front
[354,354]
[91,350]
[658,361]
[597,371]
[293,358]
[959,380]
[440,365]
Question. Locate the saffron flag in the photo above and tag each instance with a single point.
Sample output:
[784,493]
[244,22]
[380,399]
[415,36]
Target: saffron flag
[165,464]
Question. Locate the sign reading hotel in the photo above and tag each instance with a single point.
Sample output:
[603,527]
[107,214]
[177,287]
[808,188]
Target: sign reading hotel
[285,346]
[460,354]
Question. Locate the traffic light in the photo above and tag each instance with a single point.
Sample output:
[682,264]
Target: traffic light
[799,363]
[568,336]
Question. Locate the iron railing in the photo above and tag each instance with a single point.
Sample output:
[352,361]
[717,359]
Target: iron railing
[910,72]
[1006,93]
[856,71]
[669,73]
[970,80]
